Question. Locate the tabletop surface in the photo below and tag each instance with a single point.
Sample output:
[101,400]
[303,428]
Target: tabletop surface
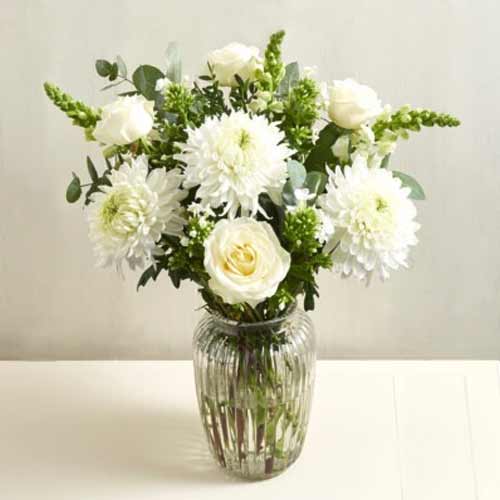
[124,430]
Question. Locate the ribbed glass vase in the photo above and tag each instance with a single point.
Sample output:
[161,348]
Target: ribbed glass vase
[254,383]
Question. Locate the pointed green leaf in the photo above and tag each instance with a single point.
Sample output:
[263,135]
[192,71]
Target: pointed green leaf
[103,67]
[174,64]
[74,190]
[151,272]
[145,78]
[296,173]
[385,161]
[92,170]
[417,191]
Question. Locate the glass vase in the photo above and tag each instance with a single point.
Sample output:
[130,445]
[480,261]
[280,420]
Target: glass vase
[254,383]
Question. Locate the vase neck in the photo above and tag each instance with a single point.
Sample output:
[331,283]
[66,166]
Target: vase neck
[232,327]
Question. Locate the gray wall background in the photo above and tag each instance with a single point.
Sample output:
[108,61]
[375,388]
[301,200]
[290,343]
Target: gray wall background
[54,304]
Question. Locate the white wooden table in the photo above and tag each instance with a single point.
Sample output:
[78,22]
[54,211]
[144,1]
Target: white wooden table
[130,430]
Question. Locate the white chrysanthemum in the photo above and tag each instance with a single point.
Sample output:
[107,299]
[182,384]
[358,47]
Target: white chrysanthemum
[128,218]
[373,219]
[233,159]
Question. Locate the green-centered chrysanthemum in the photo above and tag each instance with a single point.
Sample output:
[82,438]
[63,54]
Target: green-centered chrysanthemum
[127,219]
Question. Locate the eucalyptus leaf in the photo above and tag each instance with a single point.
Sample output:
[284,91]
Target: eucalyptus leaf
[92,170]
[417,191]
[297,173]
[174,65]
[74,190]
[288,194]
[122,67]
[113,75]
[292,76]
[145,78]
[315,182]
[103,67]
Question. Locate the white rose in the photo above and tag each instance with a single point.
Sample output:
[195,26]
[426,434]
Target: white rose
[125,120]
[351,104]
[245,260]
[233,59]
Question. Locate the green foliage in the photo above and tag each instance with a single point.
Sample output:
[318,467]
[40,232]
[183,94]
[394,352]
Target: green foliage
[103,67]
[112,71]
[416,190]
[407,119]
[185,260]
[299,237]
[242,94]
[296,173]
[122,67]
[299,178]
[178,111]
[301,278]
[321,154]
[145,78]
[92,170]
[278,304]
[300,112]
[292,76]
[173,69]
[151,273]
[74,190]
[81,114]
[96,180]
[209,100]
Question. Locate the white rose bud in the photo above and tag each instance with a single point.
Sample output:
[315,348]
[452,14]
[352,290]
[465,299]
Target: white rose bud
[341,148]
[125,120]
[233,59]
[351,104]
[245,260]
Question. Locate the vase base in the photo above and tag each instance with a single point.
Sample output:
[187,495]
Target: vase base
[257,468]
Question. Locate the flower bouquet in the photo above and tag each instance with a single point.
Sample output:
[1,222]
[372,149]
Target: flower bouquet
[248,181]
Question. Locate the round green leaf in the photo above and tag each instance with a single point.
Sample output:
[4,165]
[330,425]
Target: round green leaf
[145,78]
[103,67]
[74,190]
[296,173]
[416,190]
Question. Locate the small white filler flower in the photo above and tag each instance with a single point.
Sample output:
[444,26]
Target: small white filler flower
[233,159]
[373,219]
[127,219]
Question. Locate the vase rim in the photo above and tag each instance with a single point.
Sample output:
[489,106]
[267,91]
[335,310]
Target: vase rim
[243,325]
